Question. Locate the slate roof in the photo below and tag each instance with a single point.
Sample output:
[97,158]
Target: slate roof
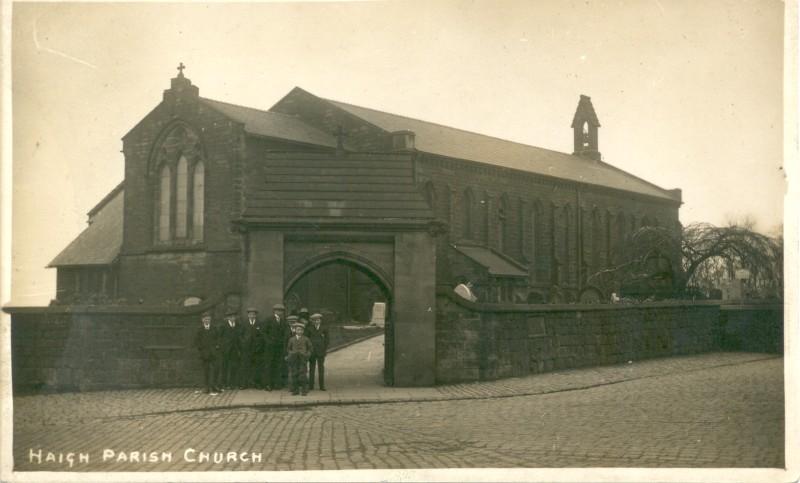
[369,186]
[456,143]
[497,265]
[273,124]
[100,242]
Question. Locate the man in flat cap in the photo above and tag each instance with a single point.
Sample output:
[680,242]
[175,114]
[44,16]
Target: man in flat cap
[230,340]
[207,342]
[252,349]
[298,350]
[319,336]
[276,332]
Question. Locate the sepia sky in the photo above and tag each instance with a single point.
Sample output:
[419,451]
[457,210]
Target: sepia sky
[688,93]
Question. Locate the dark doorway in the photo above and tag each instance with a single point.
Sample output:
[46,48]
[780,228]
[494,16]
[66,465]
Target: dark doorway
[345,292]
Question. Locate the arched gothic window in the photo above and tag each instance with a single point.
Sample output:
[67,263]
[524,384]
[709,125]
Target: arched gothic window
[164,210]
[502,222]
[198,202]
[181,195]
[596,239]
[537,240]
[468,205]
[607,238]
[566,261]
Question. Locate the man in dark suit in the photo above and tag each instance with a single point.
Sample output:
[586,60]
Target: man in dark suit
[207,342]
[252,350]
[276,332]
[230,341]
[320,337]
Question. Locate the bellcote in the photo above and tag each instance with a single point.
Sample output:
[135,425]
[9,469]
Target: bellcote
[181,86]
[584,127]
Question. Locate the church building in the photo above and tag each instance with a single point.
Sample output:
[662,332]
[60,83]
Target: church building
[333,206]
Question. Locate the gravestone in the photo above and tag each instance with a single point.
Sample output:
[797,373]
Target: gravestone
[378,314]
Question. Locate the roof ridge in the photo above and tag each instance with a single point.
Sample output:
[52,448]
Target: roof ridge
[451,127]
[250,108]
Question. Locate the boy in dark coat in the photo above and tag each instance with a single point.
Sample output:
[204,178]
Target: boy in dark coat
[207,342]
[319,336]
[298,350]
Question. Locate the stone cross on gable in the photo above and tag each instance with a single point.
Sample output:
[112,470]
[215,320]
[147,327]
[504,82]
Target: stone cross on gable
[180,69]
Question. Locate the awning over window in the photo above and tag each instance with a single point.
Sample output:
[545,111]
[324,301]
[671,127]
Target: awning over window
[497,265]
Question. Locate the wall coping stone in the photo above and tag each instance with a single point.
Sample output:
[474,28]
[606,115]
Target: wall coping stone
[542,308]
[117,309]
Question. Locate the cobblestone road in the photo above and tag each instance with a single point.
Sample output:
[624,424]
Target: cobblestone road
[715,410]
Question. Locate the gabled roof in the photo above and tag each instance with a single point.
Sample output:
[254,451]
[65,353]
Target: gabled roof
[100,242]
[357,187]
[495,264]
[456,143]
[273,124]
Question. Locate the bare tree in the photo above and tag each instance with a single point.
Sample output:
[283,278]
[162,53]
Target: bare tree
[667,262]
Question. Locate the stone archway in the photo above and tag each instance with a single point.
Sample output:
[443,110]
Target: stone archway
[344,287]
[404,262]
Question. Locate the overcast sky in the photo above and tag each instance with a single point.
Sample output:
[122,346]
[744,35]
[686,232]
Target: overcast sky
[688,93]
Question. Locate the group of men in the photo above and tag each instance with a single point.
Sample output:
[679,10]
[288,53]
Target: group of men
[264,354]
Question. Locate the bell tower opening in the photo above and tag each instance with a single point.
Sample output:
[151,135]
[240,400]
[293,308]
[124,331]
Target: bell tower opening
[584,127]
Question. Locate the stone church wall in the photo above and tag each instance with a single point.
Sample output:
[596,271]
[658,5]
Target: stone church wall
[530,239]
[170,277]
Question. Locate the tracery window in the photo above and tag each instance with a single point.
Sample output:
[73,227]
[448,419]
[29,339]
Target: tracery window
[179,189]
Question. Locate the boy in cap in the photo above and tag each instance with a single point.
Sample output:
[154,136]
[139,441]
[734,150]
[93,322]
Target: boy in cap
[303,315]
[298,349]
[252,349]
[276,332]
[319,336]
[231,350]
[207,342]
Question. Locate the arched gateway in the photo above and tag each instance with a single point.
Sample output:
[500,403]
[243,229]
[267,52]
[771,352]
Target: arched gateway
[341,217]
[345,286]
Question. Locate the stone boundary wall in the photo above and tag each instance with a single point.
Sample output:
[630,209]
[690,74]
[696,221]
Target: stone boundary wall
[93,347]
[88,348]
[491,341]
[752,328]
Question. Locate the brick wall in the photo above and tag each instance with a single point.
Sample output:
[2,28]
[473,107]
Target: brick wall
[491,341]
